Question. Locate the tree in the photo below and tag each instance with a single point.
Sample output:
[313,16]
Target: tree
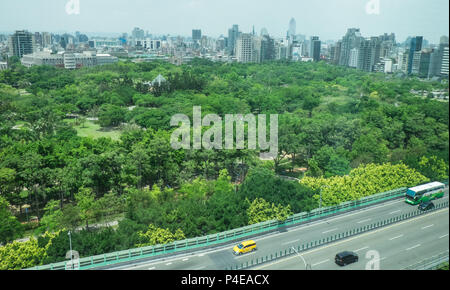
[10,227]
[111,115]
[310,102]
[433,168]
[85,199]
[261,211]
[51,221]
[364,181]
[7,180]
[158,236]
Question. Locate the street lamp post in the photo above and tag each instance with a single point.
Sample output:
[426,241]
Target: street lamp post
[71,254]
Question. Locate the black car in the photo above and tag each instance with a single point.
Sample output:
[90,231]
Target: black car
[426,205]
[346,258]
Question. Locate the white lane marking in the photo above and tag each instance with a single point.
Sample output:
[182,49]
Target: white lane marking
[201,255]
[358,237]
[443,236]
[361,249]
[291,242]
[324,261]
[395,211]
[185,259]
[168,264]
[427,227]
[151,268]
[413,247]
[363,221]
[329,231]
[395,237]
[245,255]
[196,269]
[297,228]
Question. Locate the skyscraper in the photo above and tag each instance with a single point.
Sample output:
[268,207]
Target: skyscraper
[369,54]
[292,28]
[138,33]
[196,34]
[245,48]
[315,48]
[353,59]
[233,34]
[444,62]
[264,32]
[267,48]
[21,43]
[415,46]
[351,40]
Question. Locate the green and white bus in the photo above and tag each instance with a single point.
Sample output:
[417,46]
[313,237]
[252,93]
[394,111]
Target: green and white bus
[425,192]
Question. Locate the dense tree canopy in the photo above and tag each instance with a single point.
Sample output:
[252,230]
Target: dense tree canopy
[81,147]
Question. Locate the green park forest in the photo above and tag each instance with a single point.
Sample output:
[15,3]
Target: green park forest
[84,147]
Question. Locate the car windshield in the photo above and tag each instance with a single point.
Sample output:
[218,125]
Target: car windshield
[240,246]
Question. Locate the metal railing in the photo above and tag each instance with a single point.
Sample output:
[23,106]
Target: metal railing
[223,237]
[317,243]
[432,263]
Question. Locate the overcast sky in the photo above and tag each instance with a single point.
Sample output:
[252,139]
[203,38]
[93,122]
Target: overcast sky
[329,19]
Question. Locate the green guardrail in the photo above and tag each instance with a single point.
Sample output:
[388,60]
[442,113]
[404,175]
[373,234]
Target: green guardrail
[219,238]
[431,263]
[356,231]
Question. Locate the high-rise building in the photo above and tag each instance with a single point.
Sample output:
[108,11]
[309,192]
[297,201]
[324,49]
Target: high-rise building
[292,28]
[369,54]
[351,40]
[138,33]
[264,32]
[444,62]
[353,60]
[245,51]
[267,48]
[38,41]
[315,48]
[336,52]
[21,43]
[196,34]
[46,39]
[233,34]
[424,64]
[415,65]
[414,47]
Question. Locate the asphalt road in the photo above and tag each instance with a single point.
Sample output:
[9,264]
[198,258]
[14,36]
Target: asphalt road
[395,247]
[222,257]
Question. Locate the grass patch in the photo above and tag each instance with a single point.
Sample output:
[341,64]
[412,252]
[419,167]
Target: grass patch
[93,130]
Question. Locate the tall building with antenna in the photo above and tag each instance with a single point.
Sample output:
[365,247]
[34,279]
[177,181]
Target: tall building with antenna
[292,28]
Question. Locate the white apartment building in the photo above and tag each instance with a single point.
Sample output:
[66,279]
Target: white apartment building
[68,60]
[444,64]
[244,48]
[353,58]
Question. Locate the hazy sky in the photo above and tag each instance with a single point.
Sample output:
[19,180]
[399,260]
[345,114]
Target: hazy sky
[329,19]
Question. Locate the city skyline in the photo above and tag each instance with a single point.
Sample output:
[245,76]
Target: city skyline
[422,18]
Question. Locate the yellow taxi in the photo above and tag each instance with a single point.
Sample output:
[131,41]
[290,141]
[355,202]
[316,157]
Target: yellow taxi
[245,247]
